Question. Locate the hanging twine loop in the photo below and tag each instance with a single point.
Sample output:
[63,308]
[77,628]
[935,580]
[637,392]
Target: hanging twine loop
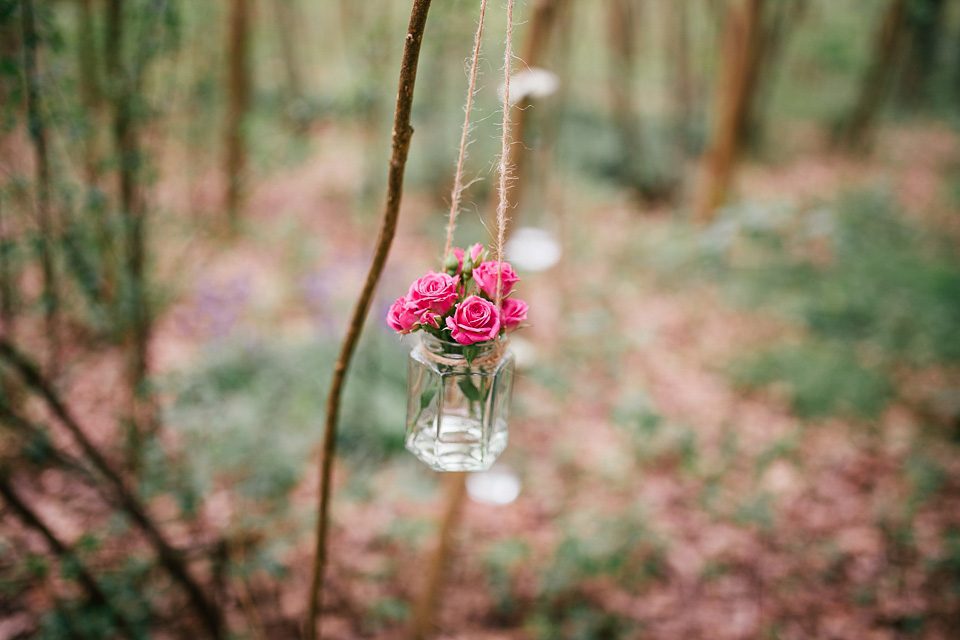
[504,171]
[465,134]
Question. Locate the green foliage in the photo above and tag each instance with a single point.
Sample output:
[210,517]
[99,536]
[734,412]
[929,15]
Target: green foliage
[655,439]
[869,288]
[501,561]
[385,612]
[823,380]
[253,413]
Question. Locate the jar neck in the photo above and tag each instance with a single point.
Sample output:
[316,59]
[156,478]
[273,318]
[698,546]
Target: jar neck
[454,350]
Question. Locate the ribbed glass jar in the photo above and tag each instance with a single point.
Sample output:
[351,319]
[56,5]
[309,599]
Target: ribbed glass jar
[457,412]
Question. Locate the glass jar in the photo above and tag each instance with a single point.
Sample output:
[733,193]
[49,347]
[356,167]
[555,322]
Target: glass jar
[457,412]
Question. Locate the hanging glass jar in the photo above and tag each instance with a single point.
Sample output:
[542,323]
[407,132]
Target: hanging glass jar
[457,410]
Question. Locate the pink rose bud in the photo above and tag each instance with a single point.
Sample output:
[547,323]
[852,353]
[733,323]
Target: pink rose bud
[486,276]
[402,317]
[475,320]
[512,313]
[454,262]
[434,291]
[430,318]
[475,251]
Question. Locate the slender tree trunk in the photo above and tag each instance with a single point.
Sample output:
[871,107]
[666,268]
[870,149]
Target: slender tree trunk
[7,290]
[536,46]
[286,20]
[679,50]
[89,88]
[423,622]
[622,30]
[855,136]
[925,22]
[45,223]
[238,90]
[773,36]
[402,133]
[133,212]
[730,102]
[67,556]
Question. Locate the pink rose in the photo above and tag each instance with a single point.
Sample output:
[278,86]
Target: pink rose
[474,251]
[430,318]
[434,291]
[486,276]
[512,313]
[402,316]
[458,254]
[475,320]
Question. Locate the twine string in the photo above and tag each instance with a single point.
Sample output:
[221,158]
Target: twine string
[505,169]
[465,134]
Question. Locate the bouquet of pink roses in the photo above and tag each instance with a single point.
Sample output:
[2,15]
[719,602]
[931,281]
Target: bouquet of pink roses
[459,304]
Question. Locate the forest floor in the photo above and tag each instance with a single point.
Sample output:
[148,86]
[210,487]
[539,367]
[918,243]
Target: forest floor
[661,497]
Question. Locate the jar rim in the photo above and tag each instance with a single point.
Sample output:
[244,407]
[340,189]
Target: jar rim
[452,348]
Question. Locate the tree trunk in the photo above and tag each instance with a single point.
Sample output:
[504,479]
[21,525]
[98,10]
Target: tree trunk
[7,289]
[855,135]
[730,103]
[924,24]
[238,91]
[535,48]
[773,35]
[423,621]
[287,30]
[89,89]
[679,53]
[66,555]
[117,490]
[132,209]
[38,136]
[622,30]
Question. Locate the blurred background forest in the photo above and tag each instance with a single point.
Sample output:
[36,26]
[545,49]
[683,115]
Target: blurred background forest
[737,412]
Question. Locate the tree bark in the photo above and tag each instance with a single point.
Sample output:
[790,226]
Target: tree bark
[855,135]
[133,211]
[730,102]
[170,558]
[89,88]
[402,133]
[679,50]
[537,44]
[924,24]
[33,521]
[7,308]
[286,20]
[238,91]
[38,136]
[773,32]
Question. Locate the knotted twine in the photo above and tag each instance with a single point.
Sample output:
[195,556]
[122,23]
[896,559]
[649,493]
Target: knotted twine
[504,171]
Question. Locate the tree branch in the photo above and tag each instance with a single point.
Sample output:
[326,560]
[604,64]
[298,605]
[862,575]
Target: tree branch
[402,132]
[170,557]
[64,552]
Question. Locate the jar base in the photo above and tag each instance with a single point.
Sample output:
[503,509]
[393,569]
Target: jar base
[459,446]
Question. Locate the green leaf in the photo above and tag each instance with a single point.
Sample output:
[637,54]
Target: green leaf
[469,389]
[426,397]
[470,352]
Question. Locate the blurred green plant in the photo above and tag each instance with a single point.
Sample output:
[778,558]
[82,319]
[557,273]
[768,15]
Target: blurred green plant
[655,440]
[822,379]
[871,289]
